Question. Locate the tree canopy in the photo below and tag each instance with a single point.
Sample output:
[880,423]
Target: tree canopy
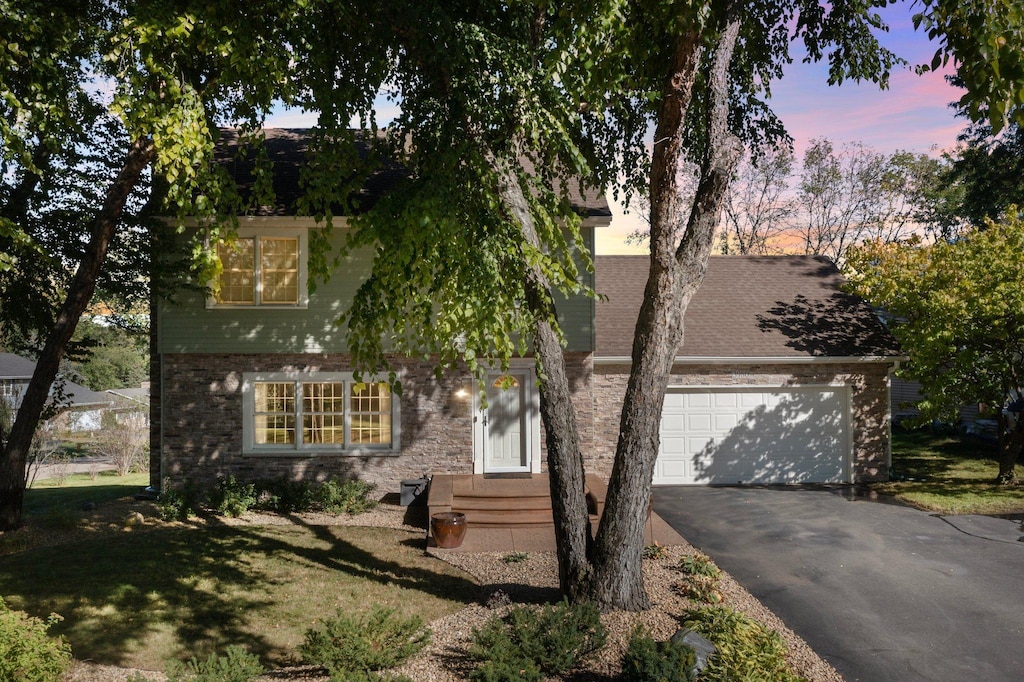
[957,308]
[173,70]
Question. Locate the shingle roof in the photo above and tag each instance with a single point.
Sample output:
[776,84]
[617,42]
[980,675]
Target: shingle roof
[748,307]
[15,367]
[288,149]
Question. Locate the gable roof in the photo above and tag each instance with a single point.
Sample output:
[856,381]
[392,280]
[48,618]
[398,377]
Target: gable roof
[785,307]
[16,367]
[289,149]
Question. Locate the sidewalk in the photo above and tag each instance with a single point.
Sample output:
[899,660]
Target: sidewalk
[78,465]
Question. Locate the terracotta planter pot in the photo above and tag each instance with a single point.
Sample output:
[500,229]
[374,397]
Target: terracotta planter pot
[448,529]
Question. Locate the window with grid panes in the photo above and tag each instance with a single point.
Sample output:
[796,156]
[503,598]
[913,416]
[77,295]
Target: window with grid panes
[279,259]
[334,412]
[238,273]
[323,413]
[371,414]
[262,268]
[275,413]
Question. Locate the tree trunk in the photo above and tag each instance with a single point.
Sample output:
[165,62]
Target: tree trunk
[1011,440]
[80,291]
[675,274]
[565,461]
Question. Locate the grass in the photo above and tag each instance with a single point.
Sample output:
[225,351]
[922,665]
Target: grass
[46,497]
[949,474]
[137,599]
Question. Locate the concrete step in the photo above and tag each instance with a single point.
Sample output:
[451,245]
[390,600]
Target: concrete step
[504,502]
[476,518]
[500,503]
[501,488]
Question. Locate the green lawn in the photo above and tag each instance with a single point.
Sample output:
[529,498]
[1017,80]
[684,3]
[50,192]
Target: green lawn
[136,599]
[47,498]
[949,474]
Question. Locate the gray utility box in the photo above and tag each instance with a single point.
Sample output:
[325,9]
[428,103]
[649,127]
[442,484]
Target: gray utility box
[414,492]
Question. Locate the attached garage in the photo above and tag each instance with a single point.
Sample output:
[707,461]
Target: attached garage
[754,435]
[782,376]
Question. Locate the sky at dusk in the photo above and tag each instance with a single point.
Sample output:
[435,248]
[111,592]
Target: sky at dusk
[913,114]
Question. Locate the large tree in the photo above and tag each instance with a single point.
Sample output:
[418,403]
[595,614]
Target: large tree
[759,208]
[176,69]
[957,308]
[573,87]
[855,194]
[502,107]
[979,179]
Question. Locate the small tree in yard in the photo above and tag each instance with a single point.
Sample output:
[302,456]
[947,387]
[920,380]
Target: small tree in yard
[46,445]
[958,310]
[126,442]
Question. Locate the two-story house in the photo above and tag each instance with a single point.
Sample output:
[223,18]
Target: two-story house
[782,378]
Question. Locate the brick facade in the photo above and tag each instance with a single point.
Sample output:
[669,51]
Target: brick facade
[202,418]
[869,390]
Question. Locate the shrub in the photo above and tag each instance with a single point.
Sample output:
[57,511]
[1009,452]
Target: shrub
[232,497]
[501,660]
[284,496]
[125,442]
[515,557]
[702,588]
[350,496]
[654,551]
[178,503]
[27,653]
[553,639]
[648,661]
[747,651]
[512,669]
[350,644]
[236,665]
[700,564]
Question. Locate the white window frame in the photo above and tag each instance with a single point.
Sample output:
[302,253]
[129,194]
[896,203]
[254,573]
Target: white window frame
[255,233]
[250,447]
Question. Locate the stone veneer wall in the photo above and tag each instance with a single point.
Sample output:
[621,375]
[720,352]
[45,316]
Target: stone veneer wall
[869,390]
[202,421]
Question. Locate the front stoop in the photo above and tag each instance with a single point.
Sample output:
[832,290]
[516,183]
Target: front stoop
[493,501]
[505,514]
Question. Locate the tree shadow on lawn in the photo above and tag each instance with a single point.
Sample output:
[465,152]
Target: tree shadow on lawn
[925,455]
[40,501]
[177,592]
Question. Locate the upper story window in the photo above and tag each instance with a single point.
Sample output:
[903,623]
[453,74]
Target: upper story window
[263,267]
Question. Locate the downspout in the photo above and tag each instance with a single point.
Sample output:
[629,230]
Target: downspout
[888,420]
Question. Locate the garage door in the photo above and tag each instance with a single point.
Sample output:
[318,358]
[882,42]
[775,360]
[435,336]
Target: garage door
[729,435]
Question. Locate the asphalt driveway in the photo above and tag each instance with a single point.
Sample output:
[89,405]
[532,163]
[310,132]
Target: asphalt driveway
[882,592]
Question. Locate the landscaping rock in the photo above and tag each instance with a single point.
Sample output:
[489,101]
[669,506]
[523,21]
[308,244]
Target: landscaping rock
[700,645]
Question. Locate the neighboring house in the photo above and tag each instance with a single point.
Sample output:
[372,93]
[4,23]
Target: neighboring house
[15,373]
[85,407]
[257,383]
[131,404]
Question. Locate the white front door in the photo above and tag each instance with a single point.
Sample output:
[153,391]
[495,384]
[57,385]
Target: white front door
[506,422]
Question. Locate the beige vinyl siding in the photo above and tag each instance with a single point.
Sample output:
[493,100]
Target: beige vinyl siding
[189,326]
